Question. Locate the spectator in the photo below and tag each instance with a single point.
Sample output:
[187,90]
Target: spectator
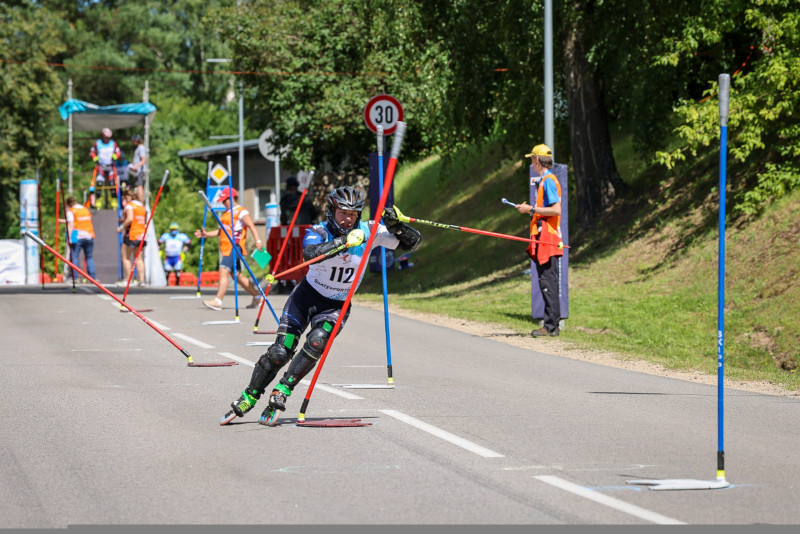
[308,211]
[237,230]
[176,244]
[81,233]
[133,226]
[138,168]
[546,229]
[104,153]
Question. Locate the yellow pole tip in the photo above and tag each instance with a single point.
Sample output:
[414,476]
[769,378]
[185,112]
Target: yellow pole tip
[190,359]
[391,381]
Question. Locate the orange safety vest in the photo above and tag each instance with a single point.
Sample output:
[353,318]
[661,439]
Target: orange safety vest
[136,229]
[550,235]
[239,233]
[83,219]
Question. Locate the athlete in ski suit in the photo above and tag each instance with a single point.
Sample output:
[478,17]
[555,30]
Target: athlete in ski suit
[318,299]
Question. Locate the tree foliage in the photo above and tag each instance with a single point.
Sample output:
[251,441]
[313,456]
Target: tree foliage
[764,127]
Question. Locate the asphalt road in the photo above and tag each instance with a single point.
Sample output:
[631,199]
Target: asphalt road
[104,424]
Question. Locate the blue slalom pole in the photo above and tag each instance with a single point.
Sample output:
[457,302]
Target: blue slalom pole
[233,243]
[240,256]
[203,239]
[724,101]
[390,379]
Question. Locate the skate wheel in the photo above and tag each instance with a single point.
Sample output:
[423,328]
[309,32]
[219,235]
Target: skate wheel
[273,418]
[227,418]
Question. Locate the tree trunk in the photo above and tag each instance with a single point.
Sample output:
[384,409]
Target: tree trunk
[597,181]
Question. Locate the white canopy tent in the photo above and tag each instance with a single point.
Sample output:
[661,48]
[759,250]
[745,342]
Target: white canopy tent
[83,116]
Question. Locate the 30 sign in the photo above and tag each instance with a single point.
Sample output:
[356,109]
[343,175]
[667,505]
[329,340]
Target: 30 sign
[383,110]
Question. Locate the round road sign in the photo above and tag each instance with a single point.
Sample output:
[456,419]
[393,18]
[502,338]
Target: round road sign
[383,110]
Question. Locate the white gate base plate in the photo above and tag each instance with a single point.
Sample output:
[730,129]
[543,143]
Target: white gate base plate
[681,484]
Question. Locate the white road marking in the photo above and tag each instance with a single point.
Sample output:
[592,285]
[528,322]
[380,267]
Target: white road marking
[338,392]
[193,341]
[158,325]
[439,433]
[611,502]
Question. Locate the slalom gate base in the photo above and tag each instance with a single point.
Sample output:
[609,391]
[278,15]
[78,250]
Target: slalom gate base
[332,422]
[217,364]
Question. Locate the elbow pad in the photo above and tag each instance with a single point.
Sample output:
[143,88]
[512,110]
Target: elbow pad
[312,251]
[409,237]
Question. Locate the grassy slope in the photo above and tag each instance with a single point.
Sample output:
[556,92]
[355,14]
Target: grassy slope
[643,281]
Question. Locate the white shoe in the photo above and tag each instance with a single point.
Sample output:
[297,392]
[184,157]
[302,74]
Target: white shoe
[214,304]
[255,303]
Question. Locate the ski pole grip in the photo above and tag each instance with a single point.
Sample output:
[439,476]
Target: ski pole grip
[398,139]
[164,180]
[205,199]
[380,140]
[33,236]
[724,98]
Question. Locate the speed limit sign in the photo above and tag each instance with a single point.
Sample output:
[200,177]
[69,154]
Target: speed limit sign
[383,110]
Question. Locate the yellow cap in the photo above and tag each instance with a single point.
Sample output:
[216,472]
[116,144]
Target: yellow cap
[540,150]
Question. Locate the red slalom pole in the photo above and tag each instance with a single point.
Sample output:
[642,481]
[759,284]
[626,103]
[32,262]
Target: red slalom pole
[144,237]
[397,142]
[110,294]
[283,247]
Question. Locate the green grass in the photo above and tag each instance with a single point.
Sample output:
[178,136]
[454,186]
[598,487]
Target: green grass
[643,281]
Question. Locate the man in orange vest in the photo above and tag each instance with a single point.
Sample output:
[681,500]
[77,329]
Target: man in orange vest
[546,229]
[133,225]
[243,221]
[81,232]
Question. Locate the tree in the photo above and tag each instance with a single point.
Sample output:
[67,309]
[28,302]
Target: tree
[764,126]
[29,92]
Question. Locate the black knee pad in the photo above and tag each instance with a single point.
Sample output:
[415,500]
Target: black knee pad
[317,339]
[267,367]
[280,352]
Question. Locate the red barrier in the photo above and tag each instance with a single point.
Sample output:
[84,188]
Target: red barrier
[209,279]
[293,255]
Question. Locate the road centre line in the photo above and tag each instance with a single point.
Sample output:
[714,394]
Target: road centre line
[443,434]
[193,341]
[611,502]
[327,389]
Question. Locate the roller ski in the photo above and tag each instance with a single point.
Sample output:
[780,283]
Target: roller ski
[277,405]
[239,407]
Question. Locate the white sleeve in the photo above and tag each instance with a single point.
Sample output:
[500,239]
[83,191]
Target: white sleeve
[383,238]
[70,216]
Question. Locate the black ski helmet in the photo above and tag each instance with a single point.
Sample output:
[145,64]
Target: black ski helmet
[344,198]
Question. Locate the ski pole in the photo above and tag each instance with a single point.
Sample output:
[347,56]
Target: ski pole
[203,239]
[397,142]
[112,295]
[144,237]
[270,278]
[406,219]
[283,246]
[389,379]
[239,255]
